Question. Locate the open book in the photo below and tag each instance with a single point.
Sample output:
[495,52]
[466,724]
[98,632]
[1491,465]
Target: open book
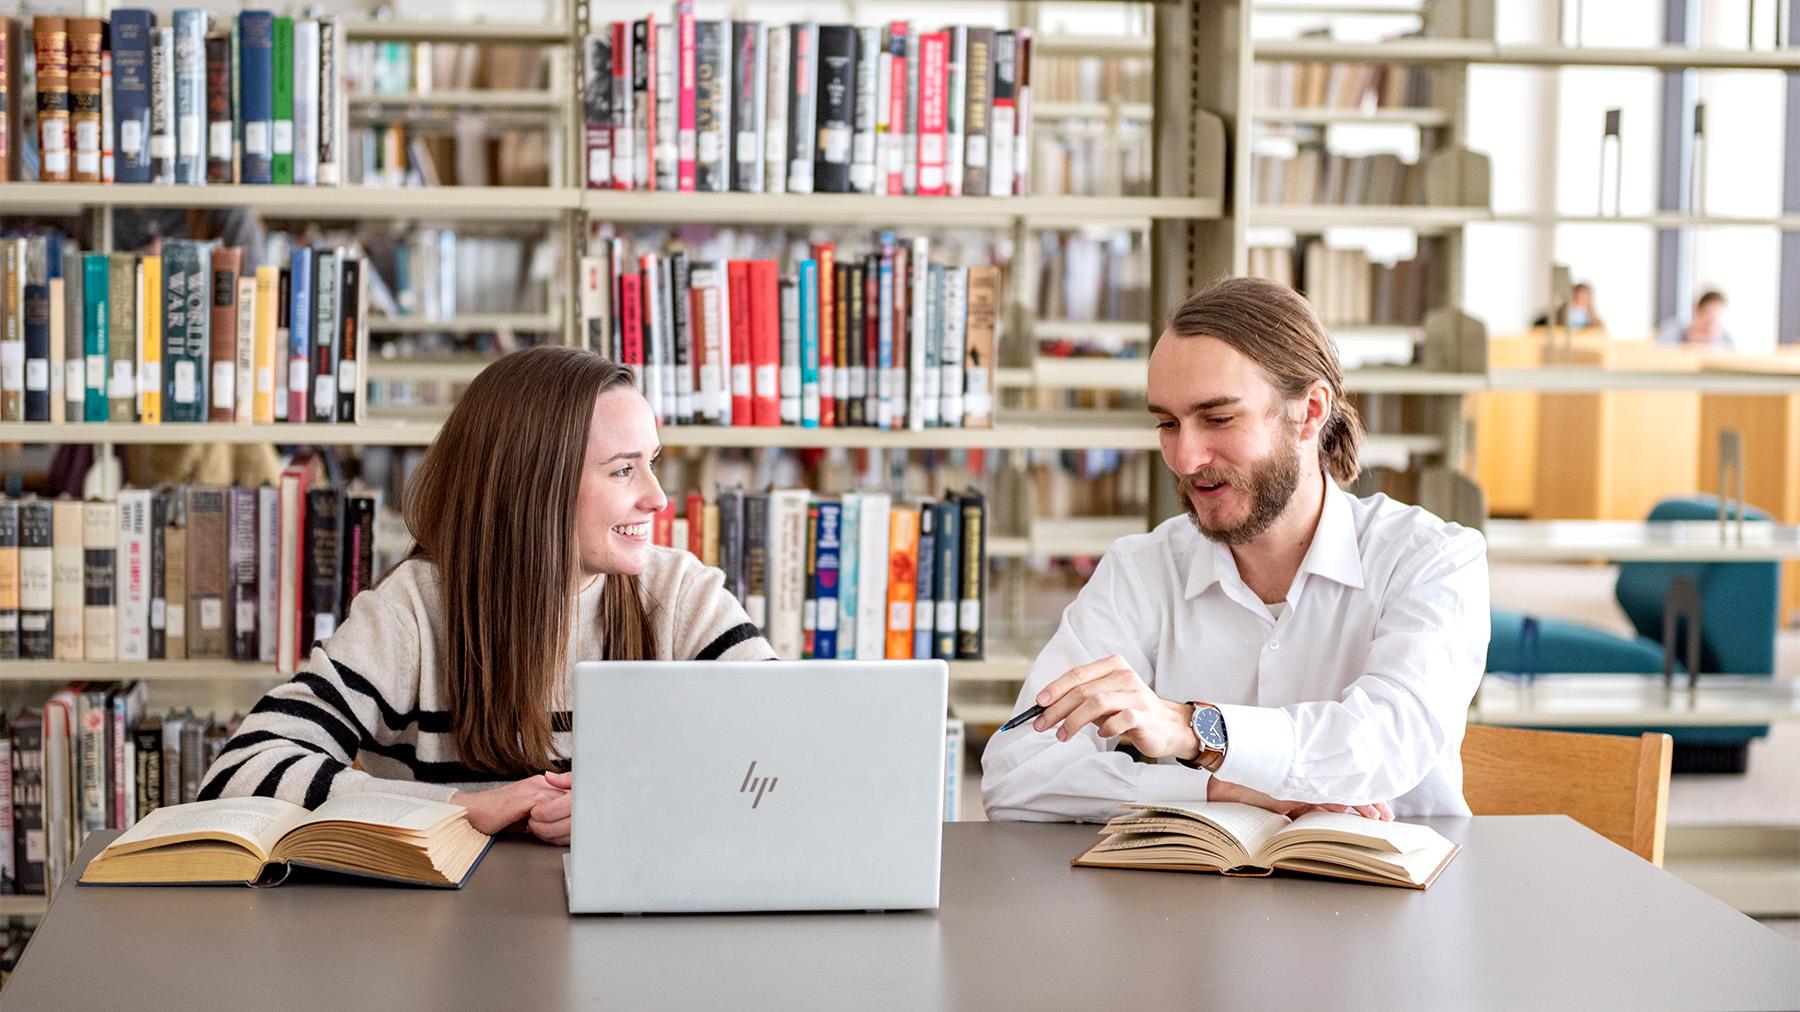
[256,841]
[1238,839]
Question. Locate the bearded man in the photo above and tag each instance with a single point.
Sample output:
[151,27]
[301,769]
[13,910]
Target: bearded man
[1284,643]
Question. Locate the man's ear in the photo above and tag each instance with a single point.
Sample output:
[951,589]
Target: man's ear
[1316,410]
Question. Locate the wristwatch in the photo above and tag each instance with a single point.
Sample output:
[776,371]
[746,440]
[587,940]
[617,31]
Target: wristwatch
[1209,726]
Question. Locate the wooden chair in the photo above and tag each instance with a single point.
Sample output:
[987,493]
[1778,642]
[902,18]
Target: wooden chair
[1614,785]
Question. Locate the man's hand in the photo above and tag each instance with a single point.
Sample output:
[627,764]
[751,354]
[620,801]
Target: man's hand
[1224,790]
[495,811]
[1109,695]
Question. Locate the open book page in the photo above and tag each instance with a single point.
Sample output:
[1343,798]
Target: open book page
[1339,827]
[257,823]
[389,811]
[1250,828]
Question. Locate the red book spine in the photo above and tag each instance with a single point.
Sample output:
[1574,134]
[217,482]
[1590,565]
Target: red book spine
[765,342]
[631,311]
[934,70]
[826,254]
[737,274]
[649,152]
[662,529]
[696,520]
[896,184]
[685,140]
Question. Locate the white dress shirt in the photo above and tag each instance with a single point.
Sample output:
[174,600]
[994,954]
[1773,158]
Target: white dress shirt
[1357,693]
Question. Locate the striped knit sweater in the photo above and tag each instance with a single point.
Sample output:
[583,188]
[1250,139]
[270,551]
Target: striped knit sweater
[373,691]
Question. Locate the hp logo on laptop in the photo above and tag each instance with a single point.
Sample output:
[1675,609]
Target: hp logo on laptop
[760,785]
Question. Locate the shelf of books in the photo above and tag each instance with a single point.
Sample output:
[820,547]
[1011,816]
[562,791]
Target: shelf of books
[325,203]
[1468,51]
[548,33]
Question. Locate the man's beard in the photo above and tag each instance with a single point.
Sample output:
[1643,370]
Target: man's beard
[1270,483]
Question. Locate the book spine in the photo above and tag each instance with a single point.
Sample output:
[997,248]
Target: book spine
[836,98]
[150,340]
[37,580]
[596,108]
[894,88]
[281,101]
[107,165]
[333,122]
[809,606]
[1021,184]
[884,364]
[703,316]
[871,307]
[849,580]
[242,562]
[790,351]
[268,570]
[643,103]
[27,799]
[778,55]
[261,379]
[9,99]
[323,367]
[12,336]
[32,284]
[803,106]
[933,313]
[208,574]
[872,575]
[161,145]
[290,592]
[134,575]
[278,353]
[353,296]
[69,580]
[100,550]
[9,579]
[222,383]
[826,569]
[306,103]
[946,592]
[950,358]
[862,142]
[902,580]
[324,576]
[956,99]
[360,511]
[756,559]
[57,280]
[972,596]
[825,311]
[175,568]
[909,137]
[668,147]
[92,765]
[256,94]
[95,328]
[917,305]
[765,342]
[159,576]
[685,137]
[679,377]
[300,328]
[856,322]
[750,99]
[187,319]
[934,58]
[809,343]
[121,345]
[655,313]
[50,43]
[1002,117]
[737,281]
[244,364]
[85,47]
[132,72]
[147,760]
[219,165]
[712,105]
[983,319]
[190,96]
[619,112]
[925,585]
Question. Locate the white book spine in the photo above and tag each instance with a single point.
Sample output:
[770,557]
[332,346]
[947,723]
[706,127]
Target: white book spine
[918,295]
[133,580]
[752,137]
[775,146]
[667,149]
[862,142]
[886,145]
[268,569]
[244,407]
[934,343]
[653,324]
[704,281]
[623,158]
[333,123]
[954,113]
[787,571]
[872,575]
[790,353]
[723,363]
[950,362]
[306,103]
[909,136]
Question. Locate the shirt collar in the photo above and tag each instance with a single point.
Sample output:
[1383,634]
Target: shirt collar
[1334,553]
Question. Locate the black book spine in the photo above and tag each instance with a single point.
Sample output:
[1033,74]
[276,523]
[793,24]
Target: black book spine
[240,507]
[946,593]
[803,109]
[350,313]
[36,579]
[28,802]
[359,547]
[712,111]
[147,749]
[756,558]
[731,541]
[159,576]
[324,538]
[970,637]
[837,109]
[746,118]
[680,312]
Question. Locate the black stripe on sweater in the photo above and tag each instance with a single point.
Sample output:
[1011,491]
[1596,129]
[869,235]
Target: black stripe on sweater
[216,786]
[430,772]
[437,721]
[320,788]
[726,640]
[271,781]
[347,739]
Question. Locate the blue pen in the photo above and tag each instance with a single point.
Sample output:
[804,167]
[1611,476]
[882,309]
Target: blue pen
[1021,718]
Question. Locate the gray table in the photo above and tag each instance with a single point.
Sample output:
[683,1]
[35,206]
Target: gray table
[1537,912]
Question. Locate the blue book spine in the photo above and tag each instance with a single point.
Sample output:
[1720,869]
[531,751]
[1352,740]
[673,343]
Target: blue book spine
[256,94]
[849,534]
[131,32]
[825,638]
[37,328]
[190,97]
[809,344]
[300,328]
[94,329]
[924,612]
[187,329]
[884,353]
[947,529]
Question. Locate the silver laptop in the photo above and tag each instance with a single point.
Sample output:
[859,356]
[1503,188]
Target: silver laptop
[762,785]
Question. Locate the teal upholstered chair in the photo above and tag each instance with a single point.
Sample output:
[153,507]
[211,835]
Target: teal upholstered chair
[1740,604]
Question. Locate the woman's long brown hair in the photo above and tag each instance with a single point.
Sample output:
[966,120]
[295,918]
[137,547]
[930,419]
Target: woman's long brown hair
[493,508]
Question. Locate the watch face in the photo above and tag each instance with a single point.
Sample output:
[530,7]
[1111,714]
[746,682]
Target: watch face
[1209,727]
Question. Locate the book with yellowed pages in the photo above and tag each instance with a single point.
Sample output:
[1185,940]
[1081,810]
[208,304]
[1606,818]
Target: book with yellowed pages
[1243,840]
[258,841]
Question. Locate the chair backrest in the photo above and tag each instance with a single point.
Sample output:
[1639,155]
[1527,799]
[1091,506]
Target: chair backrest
[1614,785]
[1740,601]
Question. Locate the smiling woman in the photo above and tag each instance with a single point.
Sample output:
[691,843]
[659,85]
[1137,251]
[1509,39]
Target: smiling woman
[449,679]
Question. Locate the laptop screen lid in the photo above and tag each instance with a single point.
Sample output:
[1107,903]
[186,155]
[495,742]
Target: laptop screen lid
[761,785]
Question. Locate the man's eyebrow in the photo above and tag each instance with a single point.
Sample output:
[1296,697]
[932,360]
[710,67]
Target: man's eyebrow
[1206,405]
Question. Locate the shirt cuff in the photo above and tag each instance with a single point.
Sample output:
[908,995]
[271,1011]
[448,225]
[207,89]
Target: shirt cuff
[1169,783]
[1259,747]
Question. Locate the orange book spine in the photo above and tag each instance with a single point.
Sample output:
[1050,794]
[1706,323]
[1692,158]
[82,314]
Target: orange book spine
[903,580]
